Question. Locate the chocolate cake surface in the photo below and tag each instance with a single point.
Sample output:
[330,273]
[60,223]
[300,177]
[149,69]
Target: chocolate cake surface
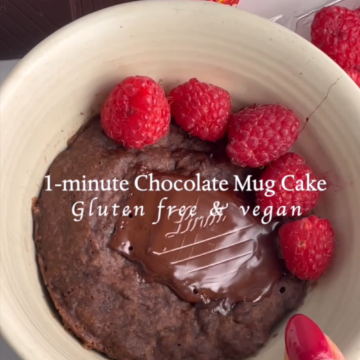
[107,300]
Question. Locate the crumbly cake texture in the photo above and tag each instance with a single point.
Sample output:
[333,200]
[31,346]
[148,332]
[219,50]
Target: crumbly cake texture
[103,298]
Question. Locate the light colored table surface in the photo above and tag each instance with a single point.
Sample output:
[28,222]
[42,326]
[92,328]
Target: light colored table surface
[6,353]
[5,68]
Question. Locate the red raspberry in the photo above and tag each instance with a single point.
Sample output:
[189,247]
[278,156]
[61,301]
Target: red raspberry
[336,31]
[307,246]
[354,74]
[201,109]
[261,134]
[227,2]
[136,113]
[293,165]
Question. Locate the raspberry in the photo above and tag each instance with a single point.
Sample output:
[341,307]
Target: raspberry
[227,2]
[354,73]
[307,246]
[261,134]
[293,165]
[336,31]
[201,109]
[136,113]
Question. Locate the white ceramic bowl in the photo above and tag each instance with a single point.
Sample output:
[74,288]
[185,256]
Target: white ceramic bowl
[64,80]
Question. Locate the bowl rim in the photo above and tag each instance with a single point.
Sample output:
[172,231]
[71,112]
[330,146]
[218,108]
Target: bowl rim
[51,40]
[25,65]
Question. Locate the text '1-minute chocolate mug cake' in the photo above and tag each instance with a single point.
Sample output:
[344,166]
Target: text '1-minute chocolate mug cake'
[186,273]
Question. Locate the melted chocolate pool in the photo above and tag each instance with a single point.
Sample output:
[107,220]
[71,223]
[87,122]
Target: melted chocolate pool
[203,256]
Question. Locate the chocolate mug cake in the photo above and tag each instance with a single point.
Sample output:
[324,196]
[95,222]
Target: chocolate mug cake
[219,299]
[153,235]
